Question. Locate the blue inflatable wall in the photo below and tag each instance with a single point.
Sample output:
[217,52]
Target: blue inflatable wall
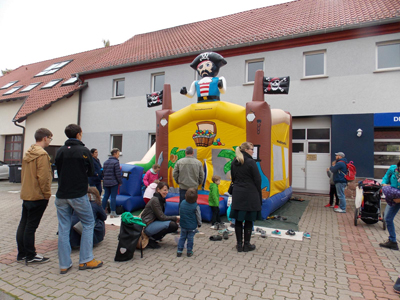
[130,192]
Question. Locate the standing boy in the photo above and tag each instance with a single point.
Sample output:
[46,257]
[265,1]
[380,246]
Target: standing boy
[74,166]
[213,201]
[190,219]
[36,180]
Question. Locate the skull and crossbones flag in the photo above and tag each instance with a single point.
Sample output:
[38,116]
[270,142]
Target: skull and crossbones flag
[276,85]
[154,99]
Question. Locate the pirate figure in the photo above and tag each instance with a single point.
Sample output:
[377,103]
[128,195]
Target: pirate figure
[210,86]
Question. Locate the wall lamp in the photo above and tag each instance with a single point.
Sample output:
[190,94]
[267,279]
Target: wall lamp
[359,132]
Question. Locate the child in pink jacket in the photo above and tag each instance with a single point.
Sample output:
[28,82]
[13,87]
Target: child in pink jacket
[151,175]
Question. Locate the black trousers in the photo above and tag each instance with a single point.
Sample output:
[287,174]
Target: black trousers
[32,212]
[332,192]
[215,218]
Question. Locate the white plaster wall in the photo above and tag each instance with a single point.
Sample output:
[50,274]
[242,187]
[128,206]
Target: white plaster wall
[7,112]
[55,118]
[351,87]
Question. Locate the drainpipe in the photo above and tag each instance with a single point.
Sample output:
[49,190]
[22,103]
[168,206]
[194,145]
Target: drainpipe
[23,138]
[80,100]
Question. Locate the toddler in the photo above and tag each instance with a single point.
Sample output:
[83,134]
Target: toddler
[151,175]
[150,190]
[213,201]
[190,219]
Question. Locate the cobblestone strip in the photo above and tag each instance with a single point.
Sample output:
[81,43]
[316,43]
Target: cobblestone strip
[372,276]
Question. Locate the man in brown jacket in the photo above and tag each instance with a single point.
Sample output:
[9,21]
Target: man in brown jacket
[36,180]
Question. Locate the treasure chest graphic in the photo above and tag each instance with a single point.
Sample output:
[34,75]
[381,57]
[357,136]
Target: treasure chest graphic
[205,134]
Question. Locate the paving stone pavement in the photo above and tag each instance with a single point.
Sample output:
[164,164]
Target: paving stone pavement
[340,261]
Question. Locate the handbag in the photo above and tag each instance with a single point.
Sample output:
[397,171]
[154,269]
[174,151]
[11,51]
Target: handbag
[230,190]
[129,237]
[78,227]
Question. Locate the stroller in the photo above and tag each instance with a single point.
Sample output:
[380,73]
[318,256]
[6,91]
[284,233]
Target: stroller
[370,210]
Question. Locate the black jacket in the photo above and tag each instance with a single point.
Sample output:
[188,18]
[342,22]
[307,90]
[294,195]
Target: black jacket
[74,165]
[112,174]
[246,185]
[98,173]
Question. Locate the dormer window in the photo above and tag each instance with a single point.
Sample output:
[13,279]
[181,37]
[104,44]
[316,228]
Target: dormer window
[53,68]
[70,81]
[14,89]
[8,84]
[51,83]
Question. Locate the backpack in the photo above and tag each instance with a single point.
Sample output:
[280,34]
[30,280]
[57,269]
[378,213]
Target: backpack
[351,171]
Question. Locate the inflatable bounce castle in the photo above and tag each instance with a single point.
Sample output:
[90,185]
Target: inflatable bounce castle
[215,128]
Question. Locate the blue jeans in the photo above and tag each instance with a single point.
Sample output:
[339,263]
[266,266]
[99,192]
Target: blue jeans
[113,191]
[84,211]
[188,235]
[340,186]
[390,213]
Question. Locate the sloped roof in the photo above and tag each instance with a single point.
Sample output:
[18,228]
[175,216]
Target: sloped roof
[267,24]
[41,98]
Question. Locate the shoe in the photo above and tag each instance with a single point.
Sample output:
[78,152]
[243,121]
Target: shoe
[21,260]
[328,205]
[239,248]
[113,214]
[213,227]
[339,210]
[276,232]
[178,254]
[225,235]
[336,207]
[65,271]
[390,245]
[93,264]
[290,232]
[307,235]
[153,244]
[189,253]
[396,286]
[248,247]
[38,259]
[215,238]
[263,234]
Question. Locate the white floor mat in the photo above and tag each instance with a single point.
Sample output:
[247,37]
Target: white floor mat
[113,221]
[297,237]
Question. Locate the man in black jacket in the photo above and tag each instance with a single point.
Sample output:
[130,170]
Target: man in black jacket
[74,166]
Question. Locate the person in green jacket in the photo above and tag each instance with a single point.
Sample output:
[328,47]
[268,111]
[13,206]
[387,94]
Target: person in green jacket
[213,201]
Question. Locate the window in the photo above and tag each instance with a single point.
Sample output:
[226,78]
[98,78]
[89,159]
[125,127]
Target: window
[157,82]
[53,68]
[8,84]
[116,142]
[10,91]
[251,68]
[152,139]
[30,87]
[70,81]
[314,64]
[51,83]
[119,87]
[13,149]
[388,55]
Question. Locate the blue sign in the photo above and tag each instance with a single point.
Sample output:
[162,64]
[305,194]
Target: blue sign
[387,120]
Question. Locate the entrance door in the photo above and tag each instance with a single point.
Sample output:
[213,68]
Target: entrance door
[311,154]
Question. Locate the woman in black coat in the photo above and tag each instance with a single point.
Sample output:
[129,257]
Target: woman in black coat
[246,195]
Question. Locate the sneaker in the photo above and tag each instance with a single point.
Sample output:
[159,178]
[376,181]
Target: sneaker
[153,244]
[38,259]
[339,210]
[307,235]
[390,245]
[65,271]
[93,264]
[336,207]
[396,286]
[178,254]
[328,205]
[21,260]
[276,232]
[189,253]
[213,227]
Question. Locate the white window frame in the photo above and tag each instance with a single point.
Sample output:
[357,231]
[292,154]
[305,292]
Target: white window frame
[385,167]
[305,54]
[377,69]
[51,84]
[53,68]
[247,68]
[8,85]
[30,87]
[12,90]
[112,142]
[115,83]
[153,76]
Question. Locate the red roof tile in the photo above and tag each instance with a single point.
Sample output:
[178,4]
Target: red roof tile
[248,27]
[40,98]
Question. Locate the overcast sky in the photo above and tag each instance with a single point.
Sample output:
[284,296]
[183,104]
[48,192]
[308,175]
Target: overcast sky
[37,30]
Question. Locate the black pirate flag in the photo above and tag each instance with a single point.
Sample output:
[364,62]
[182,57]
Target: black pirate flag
[276,85]
[154,99]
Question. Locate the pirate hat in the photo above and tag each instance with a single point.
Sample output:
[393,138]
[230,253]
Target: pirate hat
[215,58]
